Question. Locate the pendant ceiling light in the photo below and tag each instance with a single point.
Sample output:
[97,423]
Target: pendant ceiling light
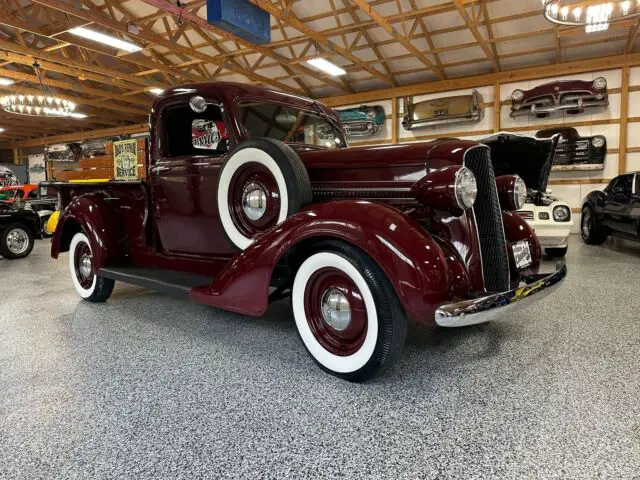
[595,16]
[43,105]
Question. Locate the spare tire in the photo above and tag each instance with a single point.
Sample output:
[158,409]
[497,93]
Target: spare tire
[261,184]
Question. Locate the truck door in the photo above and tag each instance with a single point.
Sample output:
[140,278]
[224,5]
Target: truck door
[184,176]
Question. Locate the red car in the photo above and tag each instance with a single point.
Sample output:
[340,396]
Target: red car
[362,238]
[12,193]
[571,96]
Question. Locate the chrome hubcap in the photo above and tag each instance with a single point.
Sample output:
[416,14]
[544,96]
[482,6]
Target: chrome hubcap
[254,201]
[17,241]
[85,266]
[586,224]
[335,308]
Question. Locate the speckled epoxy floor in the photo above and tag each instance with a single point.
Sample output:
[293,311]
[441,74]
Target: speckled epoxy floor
[147,387]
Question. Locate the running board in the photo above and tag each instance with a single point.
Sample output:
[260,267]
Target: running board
[170,282]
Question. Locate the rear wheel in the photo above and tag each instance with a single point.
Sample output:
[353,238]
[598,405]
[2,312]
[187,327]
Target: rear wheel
[556,252]
[590,229]
[16,242]
[347,313]
[88,284]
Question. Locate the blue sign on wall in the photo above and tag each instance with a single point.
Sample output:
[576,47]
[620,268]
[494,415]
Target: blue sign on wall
[241,18]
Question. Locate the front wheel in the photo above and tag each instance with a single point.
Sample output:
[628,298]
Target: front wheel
[347,313]
[590,229]
[16,242]
[556,252]
[88,284]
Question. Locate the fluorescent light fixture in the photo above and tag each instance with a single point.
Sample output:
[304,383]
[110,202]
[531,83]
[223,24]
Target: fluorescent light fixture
[326,66]
[6,81]
[106,39]
[156,91]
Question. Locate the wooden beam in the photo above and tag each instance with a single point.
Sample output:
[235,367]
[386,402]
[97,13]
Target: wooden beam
[394,120]
[152,38]
[624,113]
[460,6]
[194,19]
[530,73]
[319,38]
[497,107]
[401,39]
[80,136]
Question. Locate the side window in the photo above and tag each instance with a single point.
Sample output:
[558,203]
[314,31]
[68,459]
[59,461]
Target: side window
[622,185]
[19,193]
[189,133]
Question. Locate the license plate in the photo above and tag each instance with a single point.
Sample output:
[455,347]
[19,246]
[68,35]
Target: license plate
[522,254]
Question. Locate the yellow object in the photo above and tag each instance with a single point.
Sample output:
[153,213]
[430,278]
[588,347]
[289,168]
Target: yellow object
[93,180]
[52,223]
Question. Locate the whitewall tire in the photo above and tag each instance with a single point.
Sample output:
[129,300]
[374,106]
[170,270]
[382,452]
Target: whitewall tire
[88,284]
[261,183]
[347,313]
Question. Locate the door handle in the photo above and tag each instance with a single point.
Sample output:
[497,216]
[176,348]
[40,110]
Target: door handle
[158,170]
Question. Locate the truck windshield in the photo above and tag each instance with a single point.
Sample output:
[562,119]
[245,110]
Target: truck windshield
[289,124]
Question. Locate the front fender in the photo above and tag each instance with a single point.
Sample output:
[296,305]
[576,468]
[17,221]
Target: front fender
[412,261]
[98,219]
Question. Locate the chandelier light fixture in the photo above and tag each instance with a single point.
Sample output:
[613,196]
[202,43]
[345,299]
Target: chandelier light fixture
[39,105]
[595,16]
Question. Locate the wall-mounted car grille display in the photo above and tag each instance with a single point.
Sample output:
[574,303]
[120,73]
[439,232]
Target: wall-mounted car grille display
[570,96]
[442,111]
[575,152]
[363,121]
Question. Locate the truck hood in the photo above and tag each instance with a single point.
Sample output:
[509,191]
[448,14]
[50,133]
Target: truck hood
[530,158]
[433,154]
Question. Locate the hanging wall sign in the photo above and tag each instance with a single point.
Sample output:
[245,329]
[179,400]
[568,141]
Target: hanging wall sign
[125,159]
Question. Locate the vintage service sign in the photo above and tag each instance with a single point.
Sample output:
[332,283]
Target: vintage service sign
[125,160]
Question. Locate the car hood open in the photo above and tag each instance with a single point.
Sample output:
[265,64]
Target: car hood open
[530,158]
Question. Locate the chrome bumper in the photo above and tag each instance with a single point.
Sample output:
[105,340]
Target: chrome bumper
[490,307]
[559,107]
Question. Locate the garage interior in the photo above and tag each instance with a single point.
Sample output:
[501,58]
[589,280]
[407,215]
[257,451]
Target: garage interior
[148,386]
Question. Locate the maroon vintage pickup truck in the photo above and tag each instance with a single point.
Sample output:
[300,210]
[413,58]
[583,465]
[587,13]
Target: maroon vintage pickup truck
[245,203]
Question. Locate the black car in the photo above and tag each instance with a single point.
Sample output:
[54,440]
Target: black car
[613,211]
[18,228]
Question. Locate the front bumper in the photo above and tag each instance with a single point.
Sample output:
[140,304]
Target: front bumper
[578,104]
[490,307]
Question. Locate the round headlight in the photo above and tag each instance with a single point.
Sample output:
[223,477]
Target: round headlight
[371,114]
[466,188]
[600,83]
[519,193]
[561,213]
[517,95]
[598,142]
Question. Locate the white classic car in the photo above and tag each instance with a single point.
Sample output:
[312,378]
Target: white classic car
[531,158]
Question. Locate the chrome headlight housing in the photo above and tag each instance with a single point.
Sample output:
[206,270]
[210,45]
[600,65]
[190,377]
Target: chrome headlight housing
[519,192]
[517,95]
[465,188]
[600,83]
[598,142]
[561,213]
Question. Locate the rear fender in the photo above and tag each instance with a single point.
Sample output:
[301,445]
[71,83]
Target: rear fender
[412,261]
[98,219]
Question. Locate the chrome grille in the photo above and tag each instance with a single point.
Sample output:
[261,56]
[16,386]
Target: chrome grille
[526,214]
[488,218]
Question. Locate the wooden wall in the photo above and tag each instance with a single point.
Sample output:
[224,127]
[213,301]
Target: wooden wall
[619,123]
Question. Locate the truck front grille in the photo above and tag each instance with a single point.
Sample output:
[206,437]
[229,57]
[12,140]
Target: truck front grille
[488,219]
